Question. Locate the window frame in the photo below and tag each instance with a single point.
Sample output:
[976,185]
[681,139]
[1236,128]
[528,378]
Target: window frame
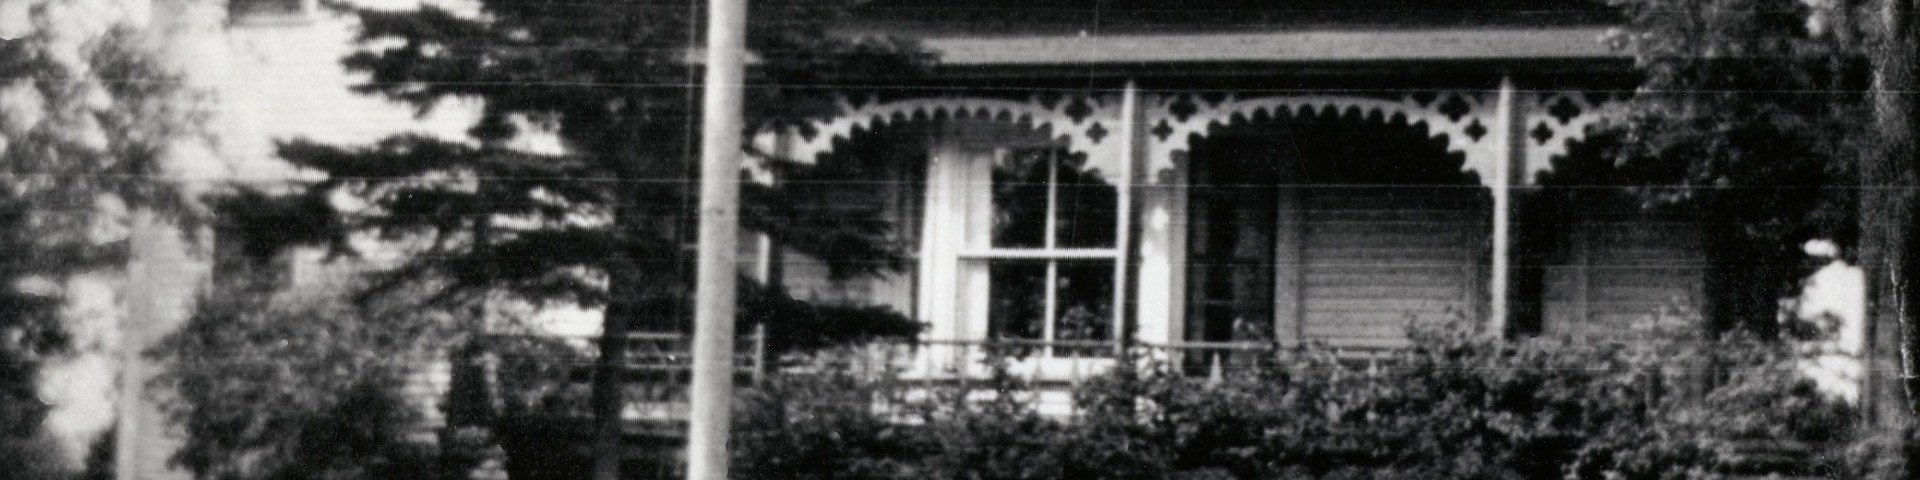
[957,250]
[980,255]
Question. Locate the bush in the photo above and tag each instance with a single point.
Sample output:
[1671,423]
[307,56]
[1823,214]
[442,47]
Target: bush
[34,457]
[1002,437]
[1456,405]
[1882,454]
[832,424]
[822,426]
[284,387]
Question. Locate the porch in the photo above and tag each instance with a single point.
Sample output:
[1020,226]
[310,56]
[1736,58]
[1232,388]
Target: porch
[1088,221]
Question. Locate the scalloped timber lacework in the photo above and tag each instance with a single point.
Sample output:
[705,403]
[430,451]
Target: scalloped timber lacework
[1090,123]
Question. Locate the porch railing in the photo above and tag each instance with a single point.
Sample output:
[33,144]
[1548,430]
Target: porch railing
[553,374]
[1071,361]
[672,353]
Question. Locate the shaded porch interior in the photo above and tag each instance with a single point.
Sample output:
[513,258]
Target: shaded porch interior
[1322,227]
[1346,231]
[1330,228]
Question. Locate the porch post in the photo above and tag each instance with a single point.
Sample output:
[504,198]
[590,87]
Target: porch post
[938,302]
[1162,238]
[1129,136]
[1510,155]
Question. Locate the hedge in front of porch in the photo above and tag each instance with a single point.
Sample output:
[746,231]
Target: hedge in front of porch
[1456,405]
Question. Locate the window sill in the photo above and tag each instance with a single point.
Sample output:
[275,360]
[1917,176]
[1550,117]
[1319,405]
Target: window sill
[1062,253]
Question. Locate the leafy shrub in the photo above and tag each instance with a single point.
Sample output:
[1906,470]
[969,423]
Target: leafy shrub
[821,426]
[33,457]
[35,454]
[829,423]
[279,387]
[992,431]
[1456,405]
[1887,453]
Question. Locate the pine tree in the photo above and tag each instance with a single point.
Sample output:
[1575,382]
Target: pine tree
[609,221]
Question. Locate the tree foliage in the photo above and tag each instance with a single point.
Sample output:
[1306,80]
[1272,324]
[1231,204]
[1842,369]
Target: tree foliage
[1750,112]
[80,145]
[1456,405]
[607,221]
[1752,102]
[302,385]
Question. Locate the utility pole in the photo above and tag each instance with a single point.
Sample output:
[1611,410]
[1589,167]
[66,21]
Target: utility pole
[713,369]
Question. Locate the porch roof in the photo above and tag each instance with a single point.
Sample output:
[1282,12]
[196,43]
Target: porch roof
[1312,46]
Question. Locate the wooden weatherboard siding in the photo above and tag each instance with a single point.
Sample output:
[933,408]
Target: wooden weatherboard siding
[1347,265]
[1620,273]
[1377,258]
[1332,229]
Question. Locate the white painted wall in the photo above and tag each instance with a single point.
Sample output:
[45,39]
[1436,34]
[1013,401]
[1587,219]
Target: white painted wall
[285,81]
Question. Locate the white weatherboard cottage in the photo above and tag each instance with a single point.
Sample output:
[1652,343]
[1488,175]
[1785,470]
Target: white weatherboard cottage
[1202,179]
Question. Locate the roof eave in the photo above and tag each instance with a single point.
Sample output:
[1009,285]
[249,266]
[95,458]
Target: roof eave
[1292,47]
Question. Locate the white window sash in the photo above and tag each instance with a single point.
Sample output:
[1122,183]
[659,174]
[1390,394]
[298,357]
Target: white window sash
[959,237]
[1041,254]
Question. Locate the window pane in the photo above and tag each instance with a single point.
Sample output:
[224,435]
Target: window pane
[1083,299]
[1017,298]
[1020,198]
[1086,208]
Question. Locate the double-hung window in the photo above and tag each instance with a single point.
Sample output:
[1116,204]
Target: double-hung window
[1025,249]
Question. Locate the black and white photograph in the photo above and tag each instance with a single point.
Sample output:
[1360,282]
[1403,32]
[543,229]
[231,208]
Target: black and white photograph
[959,239]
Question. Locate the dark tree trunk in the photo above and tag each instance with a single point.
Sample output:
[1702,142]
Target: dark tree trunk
[1885,214]
[626,281]
[609,372]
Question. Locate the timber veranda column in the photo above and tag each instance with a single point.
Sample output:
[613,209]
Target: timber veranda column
[1161,243]
[1130,133]
[1510,152]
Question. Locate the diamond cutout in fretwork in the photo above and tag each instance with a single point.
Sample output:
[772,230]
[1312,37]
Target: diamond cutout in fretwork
[1096,132]
[1455,107]
[1563,110]
[1079,110]
[1540,133]
[1161,131]
[1475,130]
[1184,108]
